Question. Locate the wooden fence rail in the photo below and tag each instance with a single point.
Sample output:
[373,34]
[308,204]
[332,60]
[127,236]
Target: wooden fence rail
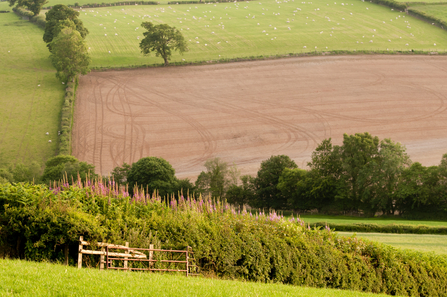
[113,254]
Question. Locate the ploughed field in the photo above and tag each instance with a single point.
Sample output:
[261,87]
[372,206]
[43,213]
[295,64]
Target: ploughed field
[245,112]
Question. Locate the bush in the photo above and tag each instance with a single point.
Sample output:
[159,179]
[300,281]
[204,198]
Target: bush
[378,228]
[37,222]
[22,12]
[391,3]
[39,20]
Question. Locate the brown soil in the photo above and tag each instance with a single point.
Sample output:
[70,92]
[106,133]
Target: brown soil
[246,112]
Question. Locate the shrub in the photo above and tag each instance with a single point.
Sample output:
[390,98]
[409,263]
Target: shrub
[37,222]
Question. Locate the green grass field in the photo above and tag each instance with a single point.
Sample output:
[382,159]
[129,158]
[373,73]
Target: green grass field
[22,278]
[228,30]
[419,242]
[439,11]
[383,221]
[30,96]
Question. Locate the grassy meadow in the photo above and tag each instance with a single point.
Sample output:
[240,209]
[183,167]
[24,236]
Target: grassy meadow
[419,242]
[439,11]
[243,29]
[30,95]
[22,278]
[382,221]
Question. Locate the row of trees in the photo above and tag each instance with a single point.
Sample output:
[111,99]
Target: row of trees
[363,175]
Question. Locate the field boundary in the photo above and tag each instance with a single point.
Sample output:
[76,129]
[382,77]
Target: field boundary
[377,228]
[65,136]
[271,57]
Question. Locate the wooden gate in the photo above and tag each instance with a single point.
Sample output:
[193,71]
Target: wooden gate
[123,257]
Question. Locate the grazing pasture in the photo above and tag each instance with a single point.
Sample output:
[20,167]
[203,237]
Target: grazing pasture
[419,242]
[382,221]
[30,94]
[255,28]
[22,278]
[438,11]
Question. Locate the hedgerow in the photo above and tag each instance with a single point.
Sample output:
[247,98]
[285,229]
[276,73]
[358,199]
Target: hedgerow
[37,221]
[379,228]
[67,118]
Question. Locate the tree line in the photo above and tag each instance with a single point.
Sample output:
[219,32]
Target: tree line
[363,175]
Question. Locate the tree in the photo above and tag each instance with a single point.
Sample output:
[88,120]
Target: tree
[152,174]
[55,18]
[119,174]
[162,39]
[382,174]
[266,182]
[242,194]
[69,55]
[217,178]
[33,5]
[67,167]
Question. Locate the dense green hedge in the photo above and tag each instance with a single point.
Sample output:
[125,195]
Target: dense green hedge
[391,3]
[39,20]
[378,228]
[22,11]
[90,5]
[35,223]
[67,119]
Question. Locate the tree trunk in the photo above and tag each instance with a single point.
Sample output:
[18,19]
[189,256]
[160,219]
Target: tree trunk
[166,61]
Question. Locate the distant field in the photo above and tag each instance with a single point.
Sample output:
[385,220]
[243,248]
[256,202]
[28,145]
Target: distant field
[439,11]
[383,221]
[419,242]
[243,29]
[22,278]
[30,94]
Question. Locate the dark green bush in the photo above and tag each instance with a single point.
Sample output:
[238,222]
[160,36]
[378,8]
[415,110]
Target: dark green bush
[427,17]
[391,3]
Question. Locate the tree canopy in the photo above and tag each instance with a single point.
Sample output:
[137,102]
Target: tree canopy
[69,54]
[266,182]
[56,19]
[33,5]
[152,174]
[162,39]
[217,178]
[67,167]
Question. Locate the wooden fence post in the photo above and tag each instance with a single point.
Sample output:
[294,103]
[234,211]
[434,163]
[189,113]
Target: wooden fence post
[151,254]
[81,239]
[125,258]
[101,259]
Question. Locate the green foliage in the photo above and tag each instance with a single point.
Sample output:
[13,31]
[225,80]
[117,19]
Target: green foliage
[69,54]
[33,5]
[391,3]
[39,20]
[266,182]
[68,168]
[56,19]
[380,228]
[36,224]
[162,39]
[152,174]
[217,179]
[119,174]
[22,11]
[243,194]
